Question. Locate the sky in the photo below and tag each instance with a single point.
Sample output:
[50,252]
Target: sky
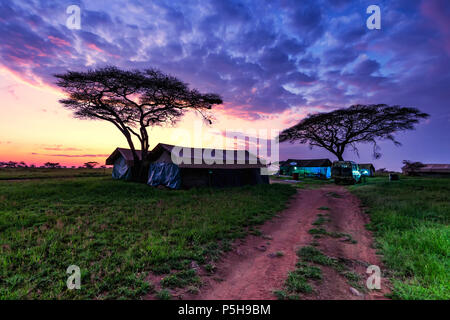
[273,63]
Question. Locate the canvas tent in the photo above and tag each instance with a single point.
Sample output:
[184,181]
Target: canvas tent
[367,169]
[122,159]
[194,167]
[307,167]
[429,169]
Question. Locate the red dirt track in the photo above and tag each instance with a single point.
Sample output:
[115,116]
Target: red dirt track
[249,272]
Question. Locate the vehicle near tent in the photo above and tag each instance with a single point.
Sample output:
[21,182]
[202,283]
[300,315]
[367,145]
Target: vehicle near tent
[320,168]
[193,167]
[345,172]
[122,159]
[367,169]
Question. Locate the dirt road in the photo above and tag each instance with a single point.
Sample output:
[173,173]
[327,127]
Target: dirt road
[252,270]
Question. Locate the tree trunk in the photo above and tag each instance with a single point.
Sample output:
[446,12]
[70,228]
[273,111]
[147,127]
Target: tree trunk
[139,171]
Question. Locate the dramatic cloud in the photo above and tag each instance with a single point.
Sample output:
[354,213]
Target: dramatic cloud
[263,57]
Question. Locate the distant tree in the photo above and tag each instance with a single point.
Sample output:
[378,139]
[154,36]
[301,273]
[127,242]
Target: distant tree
[10,164]
[411,167]
[336,130]
[22,164]
[132,101]
[51,165]
[90,164]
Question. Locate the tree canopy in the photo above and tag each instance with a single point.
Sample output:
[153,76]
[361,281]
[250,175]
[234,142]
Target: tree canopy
[411,167]
[132,100]
[336,130]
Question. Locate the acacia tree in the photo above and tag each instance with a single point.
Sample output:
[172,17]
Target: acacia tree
[132,101]
[411,167]
[52,165]
[90,164]
[336,130]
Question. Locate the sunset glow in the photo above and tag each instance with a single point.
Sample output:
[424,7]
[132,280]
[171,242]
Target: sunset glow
[272,65]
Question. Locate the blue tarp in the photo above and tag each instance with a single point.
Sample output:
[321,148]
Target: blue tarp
[166,174]
[121,170]
[316,171]
[307,171]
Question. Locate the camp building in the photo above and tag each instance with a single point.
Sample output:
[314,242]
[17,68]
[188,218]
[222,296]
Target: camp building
[192,167]
[367,169]
[306,167]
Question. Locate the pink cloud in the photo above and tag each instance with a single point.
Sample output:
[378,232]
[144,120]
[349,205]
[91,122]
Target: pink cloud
[59,42]
[94,47]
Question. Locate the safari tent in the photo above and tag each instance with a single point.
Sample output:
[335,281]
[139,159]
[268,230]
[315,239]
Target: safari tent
[122,160]
[192,167]
[320,168]
[429,169]
[367,169]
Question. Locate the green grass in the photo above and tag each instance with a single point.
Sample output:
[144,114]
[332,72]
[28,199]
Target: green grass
[297,283]
[320,220]
[164,294]
[410,218]
[181,279]
[355,280]
[40,173]
[312,183]
[312,254]
[308,271]
[283,295]
[118,232]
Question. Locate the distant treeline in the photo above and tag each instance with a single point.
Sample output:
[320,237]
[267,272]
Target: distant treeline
[49,165]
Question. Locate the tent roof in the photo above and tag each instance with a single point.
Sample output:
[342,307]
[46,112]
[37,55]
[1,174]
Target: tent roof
[433,167]
[306,163]
[125,153]
[366,166]
[197,157]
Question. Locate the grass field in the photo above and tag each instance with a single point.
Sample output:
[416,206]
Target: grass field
[410,218]
[304,183]
[40,173]
[118,232]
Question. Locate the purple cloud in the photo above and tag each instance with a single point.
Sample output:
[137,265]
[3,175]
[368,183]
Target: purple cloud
[264,57]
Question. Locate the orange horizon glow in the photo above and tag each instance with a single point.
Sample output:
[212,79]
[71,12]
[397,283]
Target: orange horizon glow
[36,129]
